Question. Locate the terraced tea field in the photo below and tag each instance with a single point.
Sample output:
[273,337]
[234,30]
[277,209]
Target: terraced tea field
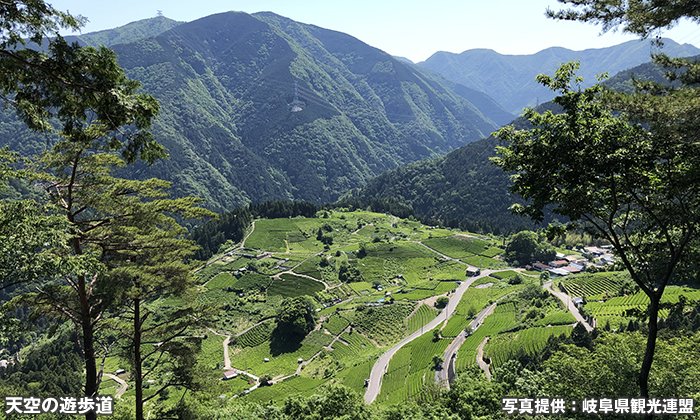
[502,317]
[410,369]
[530,340]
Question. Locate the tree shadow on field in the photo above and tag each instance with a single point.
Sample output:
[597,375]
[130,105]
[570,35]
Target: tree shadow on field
[283,342]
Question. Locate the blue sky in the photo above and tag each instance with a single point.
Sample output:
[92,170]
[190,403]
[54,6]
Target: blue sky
[410,28]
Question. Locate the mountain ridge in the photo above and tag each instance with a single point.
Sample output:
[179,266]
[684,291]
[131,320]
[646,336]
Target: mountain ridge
[510,79]
[260,107]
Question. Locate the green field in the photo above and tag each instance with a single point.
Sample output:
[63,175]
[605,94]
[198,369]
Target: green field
[221,281]
[336,324]
[257,335]
[289,285]
[353,346]
[484,262]
[421,317]
[530,341]
[593,286]
[310,268]
[272,235]
[385,324]
[473,301]
[615,310]
[295,385]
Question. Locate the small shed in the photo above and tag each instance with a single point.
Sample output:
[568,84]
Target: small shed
[473,271]
[577,301]
[230,374]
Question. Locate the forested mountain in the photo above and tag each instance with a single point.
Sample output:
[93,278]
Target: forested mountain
[259,107]
[461,189]
[510,79]
[622,81]
[127,33]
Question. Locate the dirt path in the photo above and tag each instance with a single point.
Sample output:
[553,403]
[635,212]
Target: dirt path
[245,238]
[120,381]
[480,358]
[227,360]
[302,275]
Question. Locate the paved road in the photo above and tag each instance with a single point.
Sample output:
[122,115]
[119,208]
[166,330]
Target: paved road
[120,381]
[380,367]
[446,376]
[569,304]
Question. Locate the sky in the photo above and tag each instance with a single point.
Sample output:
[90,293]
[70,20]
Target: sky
[414,29]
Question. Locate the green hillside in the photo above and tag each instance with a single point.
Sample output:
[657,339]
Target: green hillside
[259,107]
[462,188]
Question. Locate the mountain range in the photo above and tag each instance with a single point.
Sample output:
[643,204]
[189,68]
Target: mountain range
[260,107]
[510,79]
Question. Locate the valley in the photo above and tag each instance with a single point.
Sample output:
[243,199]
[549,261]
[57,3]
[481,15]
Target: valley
[244,216]
[372,291]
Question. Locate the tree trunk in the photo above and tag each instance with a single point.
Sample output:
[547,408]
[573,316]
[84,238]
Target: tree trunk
[651,345]
[88,334]
[138,379]
[88,347]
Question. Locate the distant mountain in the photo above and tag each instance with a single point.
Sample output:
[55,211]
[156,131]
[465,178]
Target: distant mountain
[404,59]
[259,107]
[622,81]
[510,79]
[132,31]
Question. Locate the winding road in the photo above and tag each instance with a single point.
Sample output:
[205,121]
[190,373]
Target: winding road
[120,381]
[381,365]
[446,376]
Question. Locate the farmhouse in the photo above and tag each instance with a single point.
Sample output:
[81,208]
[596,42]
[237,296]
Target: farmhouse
[230,374]
[573,268]
[540,267]
[558,263]
[593,250]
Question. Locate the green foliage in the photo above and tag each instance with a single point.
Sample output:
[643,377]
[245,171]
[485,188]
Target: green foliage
[257,335]
[441,302]
[632,181]
[423,315]
[384,324]
[522,247]
[296,317]
[222,281]
[251,282]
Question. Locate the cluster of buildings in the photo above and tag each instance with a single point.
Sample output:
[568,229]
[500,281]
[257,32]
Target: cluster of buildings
[572,264]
